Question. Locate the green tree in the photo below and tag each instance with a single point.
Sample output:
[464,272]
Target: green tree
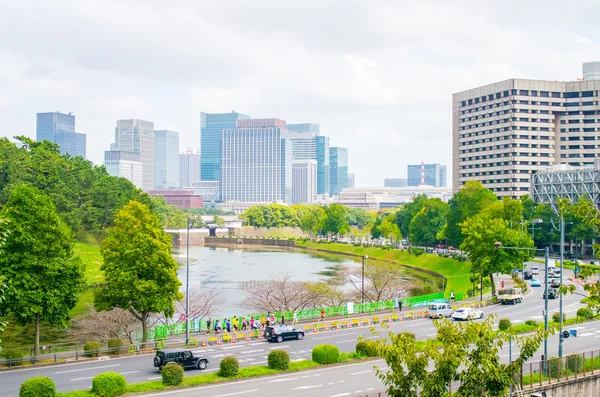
[219,221]
[43,276]
[140,273]
[480,237]
[470,200]
[529,206]
[254,216]
[469,352]
[335,220]
[428,222]
[407,212]
[311,219]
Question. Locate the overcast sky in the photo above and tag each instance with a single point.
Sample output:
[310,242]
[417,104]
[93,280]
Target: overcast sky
[378,76]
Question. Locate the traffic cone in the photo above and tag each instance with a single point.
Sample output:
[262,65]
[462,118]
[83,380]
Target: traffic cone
[247,338]
[233,340]
[219,342]
[204,343]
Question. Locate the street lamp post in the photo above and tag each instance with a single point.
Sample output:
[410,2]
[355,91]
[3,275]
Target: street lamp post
[562,258]
[533,222]
[362,285]
[187,282]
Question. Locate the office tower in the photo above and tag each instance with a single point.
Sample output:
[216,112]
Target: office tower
[211,135]
[505,131]
[59,128]
[351,180]
[137,136]
[189,169]
[303,138]
[322,155]
[304,181]
[395,182]
[338,170]
[126,165]
[433,174]
[257,162]
[166,159]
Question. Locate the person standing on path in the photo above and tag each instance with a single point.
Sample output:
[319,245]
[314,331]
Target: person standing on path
[452,296]
[503,284]
[295,318]
[208,322]
[282,319]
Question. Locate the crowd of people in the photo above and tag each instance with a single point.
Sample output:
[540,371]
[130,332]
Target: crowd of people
[244,323]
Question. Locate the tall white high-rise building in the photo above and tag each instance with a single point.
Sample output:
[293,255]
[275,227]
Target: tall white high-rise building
[303,137]
[304,181]
[256,162]
[166,159]
[189,169]
[137,136]
[124,165]
[504,132]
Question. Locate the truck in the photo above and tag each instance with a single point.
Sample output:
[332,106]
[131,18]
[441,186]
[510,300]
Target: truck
[510,295]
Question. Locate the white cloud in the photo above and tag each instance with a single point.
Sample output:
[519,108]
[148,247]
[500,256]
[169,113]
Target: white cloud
[378,76]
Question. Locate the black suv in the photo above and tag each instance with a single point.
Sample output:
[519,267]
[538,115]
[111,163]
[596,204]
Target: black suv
[182,357]
[528,275]
[280,332]
[552,293]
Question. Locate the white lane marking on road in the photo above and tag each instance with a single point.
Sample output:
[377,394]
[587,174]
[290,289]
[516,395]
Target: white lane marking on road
[282,380]
[236,393]
[434,334]
[155,377]
[370,388]
[586,334]
[279,347]
[307,387]
[340,395]
[361,372]
[261,362]
[341,381]
[253,351]
[345,341]
[87,369]
[317,375]
[332,383]
[325,337]
[305,376]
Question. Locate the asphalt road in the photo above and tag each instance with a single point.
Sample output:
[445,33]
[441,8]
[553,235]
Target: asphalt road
[76,376]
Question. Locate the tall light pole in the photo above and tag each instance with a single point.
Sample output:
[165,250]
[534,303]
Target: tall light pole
[533,222]
[562,258]
[362,285]
[187,282]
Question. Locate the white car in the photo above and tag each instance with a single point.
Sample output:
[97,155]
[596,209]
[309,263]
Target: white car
[466,313]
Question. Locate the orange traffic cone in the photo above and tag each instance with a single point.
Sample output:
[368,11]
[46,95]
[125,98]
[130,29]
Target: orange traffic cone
[204,343]
[247,338]
[219,342]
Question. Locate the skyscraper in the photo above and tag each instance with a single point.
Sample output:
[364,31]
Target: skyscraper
[137,136]
[124,165]
[166,159]
[351,180]
[257,162]
[304,181]
[60,128]
[322,154]
[189,169]
[303,138]
[211,135]
[504,132]
[338,171]
[435,174]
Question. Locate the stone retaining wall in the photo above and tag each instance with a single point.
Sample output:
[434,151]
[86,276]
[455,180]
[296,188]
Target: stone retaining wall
[249,241]
[588,385]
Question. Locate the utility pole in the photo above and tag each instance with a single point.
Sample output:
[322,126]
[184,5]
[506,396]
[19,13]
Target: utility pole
[547,255]
[562,258]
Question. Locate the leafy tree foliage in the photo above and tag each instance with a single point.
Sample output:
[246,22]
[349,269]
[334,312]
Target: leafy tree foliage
[140,273]
[428,222]
[469,352]
[43,276]
[335,221]
[86,196]
[470,200]
[407,212]
[311,219]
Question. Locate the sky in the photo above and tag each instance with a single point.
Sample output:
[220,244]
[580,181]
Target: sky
[378,76]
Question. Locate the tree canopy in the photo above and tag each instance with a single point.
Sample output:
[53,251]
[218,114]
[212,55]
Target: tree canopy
[140,273]
[43,276]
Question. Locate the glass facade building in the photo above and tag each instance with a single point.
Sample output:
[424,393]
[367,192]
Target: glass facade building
[338,170]
[435,175]
[211,135]
[322,155]
[166,159]
[189,169]
[59,128]
[137,136]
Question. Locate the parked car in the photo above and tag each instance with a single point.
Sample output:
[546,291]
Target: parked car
[552,293]
[528,275]
[555,284]
[182,357]
[467,313]
[278,333]
[535,282]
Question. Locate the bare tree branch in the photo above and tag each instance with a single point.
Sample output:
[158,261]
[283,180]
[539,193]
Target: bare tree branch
[281,293]
[383,281]
[203,302]
[102,325]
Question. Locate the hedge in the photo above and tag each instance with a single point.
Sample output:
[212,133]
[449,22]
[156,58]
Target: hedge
[109,384]
[585,313]
[504,324]
[367,348]
[15,357]
[229,367]
[279,359]
[115,346]
[39,386]
[325,354]
[172,375]
[91,349]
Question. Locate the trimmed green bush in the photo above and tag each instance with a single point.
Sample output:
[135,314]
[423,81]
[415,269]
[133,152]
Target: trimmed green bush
[279,359]
[504,324]
[91,349]
[15,357]
[172,375]
[325,354]
[367,348]
[575,363]
[531,322]
[109,384]
[229,367]
[39,386]
[555,367]
[585,313]
[556,317]
[115,346]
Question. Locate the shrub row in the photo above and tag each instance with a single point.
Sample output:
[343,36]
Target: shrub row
[106,384]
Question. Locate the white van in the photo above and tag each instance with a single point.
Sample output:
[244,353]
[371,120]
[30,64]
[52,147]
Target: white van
[439,310]
[535,270]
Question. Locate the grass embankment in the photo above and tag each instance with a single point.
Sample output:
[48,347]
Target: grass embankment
[455,272]
[200,380]
[18,336]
